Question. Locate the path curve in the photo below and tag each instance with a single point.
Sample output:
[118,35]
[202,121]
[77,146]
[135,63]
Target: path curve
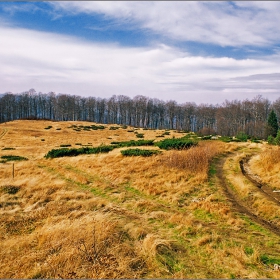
[264,188]
[237,204]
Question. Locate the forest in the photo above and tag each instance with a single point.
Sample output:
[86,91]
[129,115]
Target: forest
[228,119]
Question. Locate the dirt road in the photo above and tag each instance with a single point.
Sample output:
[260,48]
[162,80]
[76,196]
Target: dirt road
[240,205]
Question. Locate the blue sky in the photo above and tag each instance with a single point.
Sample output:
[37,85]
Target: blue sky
[200,51]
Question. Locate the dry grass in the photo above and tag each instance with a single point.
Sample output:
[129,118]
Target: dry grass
[267,165]
[109,216]
[249,193]
[196,159]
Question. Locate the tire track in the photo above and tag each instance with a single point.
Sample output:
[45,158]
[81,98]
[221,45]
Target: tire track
[3,133]
[264,188]
[239,205]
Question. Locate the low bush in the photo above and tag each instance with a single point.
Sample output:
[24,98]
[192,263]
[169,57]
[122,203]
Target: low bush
[140,135]
[176,144]
[64,152]
[87,127]
[277,139]
[11,158]
[48,127]
[270,140]
[139,152]
[5,149]
[133,143]
[243,137]
[10,189]
[166,133]
[114,127]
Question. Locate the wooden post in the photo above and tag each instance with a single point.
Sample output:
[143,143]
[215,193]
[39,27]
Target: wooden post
[13,170]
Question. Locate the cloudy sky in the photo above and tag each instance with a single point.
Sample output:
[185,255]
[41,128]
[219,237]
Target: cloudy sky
[203,52]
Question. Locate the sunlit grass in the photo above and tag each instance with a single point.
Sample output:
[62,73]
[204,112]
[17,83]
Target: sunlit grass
[110,216]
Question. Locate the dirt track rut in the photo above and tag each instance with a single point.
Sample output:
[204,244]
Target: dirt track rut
[239,205]
[264,188]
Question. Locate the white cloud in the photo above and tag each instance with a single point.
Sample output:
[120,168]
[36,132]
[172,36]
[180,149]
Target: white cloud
[52,62]
[224,23]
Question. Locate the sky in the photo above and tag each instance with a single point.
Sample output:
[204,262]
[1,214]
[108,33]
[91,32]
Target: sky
[187,51]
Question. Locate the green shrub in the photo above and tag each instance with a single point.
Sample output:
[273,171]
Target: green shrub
[166,133]
[64,152]
[133,143]
[139,152]
[277,139]
[270,140]
[58,129]
[87,127]
[11,158]
[42,140]
[242,136]
[10,189]
[5,149]
[96,127]
[48,127]
[140,135]
[176,144]
[114,127]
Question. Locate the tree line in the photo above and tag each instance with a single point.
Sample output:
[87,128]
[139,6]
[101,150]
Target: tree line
[228,119]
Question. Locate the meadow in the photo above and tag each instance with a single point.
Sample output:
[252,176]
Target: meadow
[136,209]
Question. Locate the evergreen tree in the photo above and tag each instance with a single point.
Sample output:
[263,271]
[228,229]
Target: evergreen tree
[272,124]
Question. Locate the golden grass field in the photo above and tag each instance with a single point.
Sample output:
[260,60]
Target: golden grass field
[110,216]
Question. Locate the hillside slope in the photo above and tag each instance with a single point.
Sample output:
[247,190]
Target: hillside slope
[110,216]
